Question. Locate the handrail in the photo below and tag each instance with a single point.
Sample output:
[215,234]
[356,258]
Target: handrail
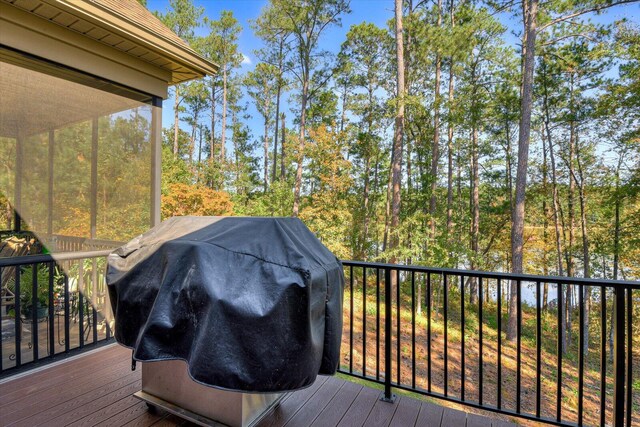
[495,275]
[45,258]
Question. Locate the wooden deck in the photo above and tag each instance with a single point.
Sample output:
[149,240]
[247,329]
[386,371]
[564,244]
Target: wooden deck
[97,388]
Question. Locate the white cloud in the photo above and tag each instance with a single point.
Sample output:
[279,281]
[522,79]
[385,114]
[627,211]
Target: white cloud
[246,60]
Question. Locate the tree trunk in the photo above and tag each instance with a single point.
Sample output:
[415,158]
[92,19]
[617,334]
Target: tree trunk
[282,149]
[212,137]
[435,148]
[301,136]
[266,153]
[224,115]
[192,142]
[365,208]
[387,212]
[199,156]
[616,228]
[367,171]
[275,136]
[517,229]
[545,227]
[571,202]
[585,246]
[554,182]
[396,166]
[176,120]
[450,156]
[475,211]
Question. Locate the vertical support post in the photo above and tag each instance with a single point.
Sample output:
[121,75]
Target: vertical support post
[50,184]
[387,396]
[618,356]
[94,177]
[156,158]
[17,195]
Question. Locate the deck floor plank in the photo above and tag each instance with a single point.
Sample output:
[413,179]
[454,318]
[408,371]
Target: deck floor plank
[312,407]
[97,389]
[381,413]
[108,412]
[91,407]
[50,380]
[147,419]
[475,420]
[73,384]
[430,414]
[453,418]
[338,406]
[75,395]
[137,410]
[288,408]
[360,408]
[406,413]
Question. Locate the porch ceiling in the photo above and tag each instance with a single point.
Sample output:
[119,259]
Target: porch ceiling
[32,103]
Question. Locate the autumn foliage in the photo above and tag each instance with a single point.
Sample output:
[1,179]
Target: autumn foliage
[184,199]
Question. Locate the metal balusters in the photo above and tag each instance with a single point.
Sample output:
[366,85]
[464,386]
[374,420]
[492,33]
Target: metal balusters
[629,355]
[387,336]
[1,357]
[462,347]
[428,296]
[52,348]
[480,358]
[559,356]
[519,345]
[16,319]
[413,329]
[67,333]
[445,312]
[81,305]
[398,330]
[618,356]
[499,381]
[535,322]
[34,311]
[603,354]
[30,324]
[581,322]
[377,324]
[364,321]
[94,299]
[351,320]
[538,347]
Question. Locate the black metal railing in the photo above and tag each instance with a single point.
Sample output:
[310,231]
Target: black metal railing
[553,349]
[52,305]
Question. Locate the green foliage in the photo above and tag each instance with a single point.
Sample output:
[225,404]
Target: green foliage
[348,104]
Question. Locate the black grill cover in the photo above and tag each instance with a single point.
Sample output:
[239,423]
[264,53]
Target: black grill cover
[251,304]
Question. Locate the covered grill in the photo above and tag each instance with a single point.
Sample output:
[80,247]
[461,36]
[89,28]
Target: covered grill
[250,304]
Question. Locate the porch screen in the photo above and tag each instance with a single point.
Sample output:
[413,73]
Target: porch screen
[75,161]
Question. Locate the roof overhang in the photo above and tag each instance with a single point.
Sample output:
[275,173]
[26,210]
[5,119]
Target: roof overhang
[122,25]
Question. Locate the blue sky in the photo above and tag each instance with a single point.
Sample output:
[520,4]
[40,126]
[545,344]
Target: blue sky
[375,11]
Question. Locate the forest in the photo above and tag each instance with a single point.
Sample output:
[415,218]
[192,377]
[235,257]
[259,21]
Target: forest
[430,141]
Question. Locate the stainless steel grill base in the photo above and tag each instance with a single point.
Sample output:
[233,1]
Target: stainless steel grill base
[167,385]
